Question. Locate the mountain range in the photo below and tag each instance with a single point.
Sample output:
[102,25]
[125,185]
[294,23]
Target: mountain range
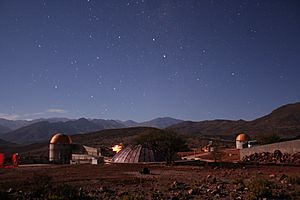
[283,121]
[43,129]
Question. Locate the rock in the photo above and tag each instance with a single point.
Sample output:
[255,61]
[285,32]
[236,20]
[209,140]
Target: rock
[191,191]
[276,157]
[10,190]
[103,189]
[272,176]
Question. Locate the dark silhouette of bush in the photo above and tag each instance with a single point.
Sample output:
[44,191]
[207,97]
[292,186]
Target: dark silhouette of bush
[165,141]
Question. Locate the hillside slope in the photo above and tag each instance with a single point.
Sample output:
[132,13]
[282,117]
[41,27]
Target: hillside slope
[110,137]
[284,121]
[4,129]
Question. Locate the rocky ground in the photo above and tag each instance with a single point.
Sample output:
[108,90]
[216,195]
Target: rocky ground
[275,157]
[124,181]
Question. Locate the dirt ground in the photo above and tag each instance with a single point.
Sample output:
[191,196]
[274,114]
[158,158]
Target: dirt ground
[113,181]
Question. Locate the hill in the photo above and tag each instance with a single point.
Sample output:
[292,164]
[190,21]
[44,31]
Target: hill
[111,136]
[4,129]
[5,143]
[283,121]
[41,131]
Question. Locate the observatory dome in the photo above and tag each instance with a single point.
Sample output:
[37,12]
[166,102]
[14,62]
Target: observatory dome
[137,154]
[242,137]
[61,139]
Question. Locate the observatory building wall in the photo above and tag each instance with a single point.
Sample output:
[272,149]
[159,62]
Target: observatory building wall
[290,147]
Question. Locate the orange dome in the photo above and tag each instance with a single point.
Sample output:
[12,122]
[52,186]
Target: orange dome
[60,139]
[242,137]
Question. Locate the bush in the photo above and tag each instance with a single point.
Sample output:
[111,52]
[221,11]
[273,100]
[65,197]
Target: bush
[166,142]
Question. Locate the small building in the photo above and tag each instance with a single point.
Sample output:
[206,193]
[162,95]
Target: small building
[63,151]
[242,141]
[60,149]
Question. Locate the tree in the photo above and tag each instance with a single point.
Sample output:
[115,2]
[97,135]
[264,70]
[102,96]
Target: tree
[168,143]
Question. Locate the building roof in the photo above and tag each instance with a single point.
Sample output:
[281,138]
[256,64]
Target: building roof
[137,154]
[242,137]
[61,139]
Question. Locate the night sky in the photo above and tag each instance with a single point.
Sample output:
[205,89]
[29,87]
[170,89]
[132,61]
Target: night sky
[143,59]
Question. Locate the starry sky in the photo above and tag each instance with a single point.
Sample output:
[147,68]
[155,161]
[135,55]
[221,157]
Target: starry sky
[142,59]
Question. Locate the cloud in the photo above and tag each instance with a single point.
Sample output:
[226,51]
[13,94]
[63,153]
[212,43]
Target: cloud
[33,114]
[9,116]
[54,110]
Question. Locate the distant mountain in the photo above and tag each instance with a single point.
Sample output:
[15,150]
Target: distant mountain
[13,124]
[51,120]
[129,123]
[284,121]
[4,129]
[16,124]
[108,124]
[161,122]
[43,130]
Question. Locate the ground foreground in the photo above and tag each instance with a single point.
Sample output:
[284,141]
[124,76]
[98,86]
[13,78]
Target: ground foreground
[124,181]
